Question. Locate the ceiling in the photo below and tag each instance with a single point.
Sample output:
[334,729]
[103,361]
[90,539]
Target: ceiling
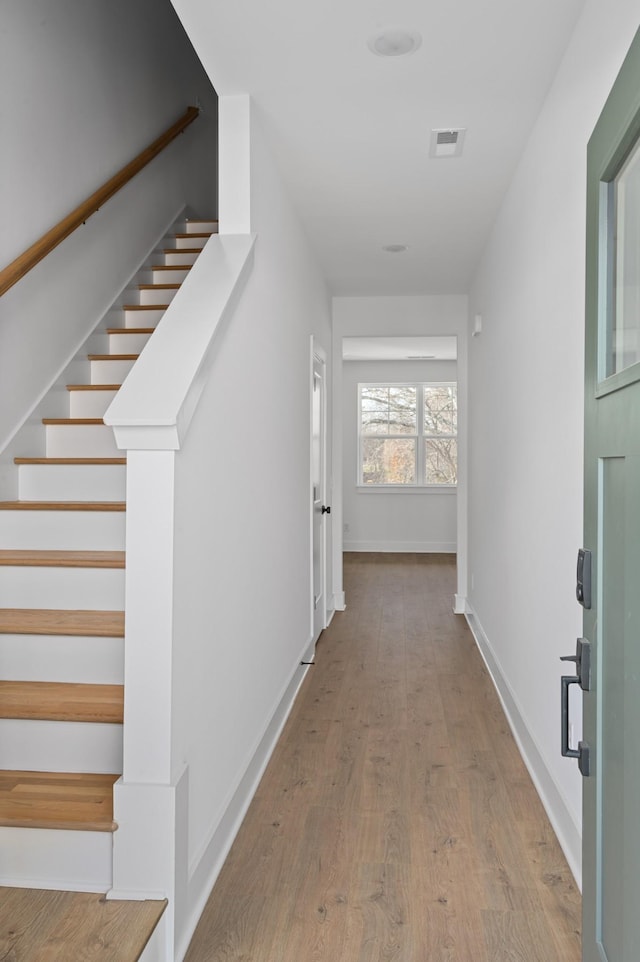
[442,348]
[351,130]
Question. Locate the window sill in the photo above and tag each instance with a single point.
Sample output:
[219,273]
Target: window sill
[406,489]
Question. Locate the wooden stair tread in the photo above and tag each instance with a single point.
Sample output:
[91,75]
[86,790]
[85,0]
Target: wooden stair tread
[59,800]
[61,621]
[62,505]
[130,330]
[94,387]
[208,233]
[113,357]
[145,307]
[28,558]
[158,287]
[62,701]
[172,267]
[183,250]
[71,926]
[72,421]
[70,460]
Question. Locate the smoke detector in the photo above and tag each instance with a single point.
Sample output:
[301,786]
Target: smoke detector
[394,42]
[447,141]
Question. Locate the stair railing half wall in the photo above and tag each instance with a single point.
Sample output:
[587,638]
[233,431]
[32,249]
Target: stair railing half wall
[21,266]
[161,418]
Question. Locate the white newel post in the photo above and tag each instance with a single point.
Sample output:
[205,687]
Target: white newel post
[150,800]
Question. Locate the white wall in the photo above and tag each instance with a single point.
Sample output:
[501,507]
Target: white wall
[400,316]
[374,520]
[233,520]
[243,507]
[525,412]
[86,87]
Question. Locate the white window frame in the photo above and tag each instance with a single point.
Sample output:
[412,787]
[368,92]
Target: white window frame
[419,485]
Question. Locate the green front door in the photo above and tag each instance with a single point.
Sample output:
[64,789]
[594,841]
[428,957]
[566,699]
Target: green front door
[611,830]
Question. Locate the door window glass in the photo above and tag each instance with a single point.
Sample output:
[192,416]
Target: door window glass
[623,323]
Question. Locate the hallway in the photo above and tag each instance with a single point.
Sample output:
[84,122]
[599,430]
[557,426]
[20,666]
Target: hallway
[396,820]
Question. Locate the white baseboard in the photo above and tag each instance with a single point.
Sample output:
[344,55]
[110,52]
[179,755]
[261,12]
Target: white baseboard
[459,605]
[203,875]
[564,826]
[419,547]
[339,600]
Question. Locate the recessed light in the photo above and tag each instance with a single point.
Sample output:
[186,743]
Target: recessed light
[394,42]
[395,248]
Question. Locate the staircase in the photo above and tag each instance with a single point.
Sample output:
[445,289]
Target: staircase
[62,617]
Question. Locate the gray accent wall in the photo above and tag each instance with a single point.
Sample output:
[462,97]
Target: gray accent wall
[87,86]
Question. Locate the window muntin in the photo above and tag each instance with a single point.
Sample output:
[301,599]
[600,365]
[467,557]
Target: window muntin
[407,434]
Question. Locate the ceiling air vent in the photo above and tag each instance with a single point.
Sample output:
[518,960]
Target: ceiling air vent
[447,142]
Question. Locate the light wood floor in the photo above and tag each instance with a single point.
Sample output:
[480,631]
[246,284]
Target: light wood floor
[396,821]
[39,926]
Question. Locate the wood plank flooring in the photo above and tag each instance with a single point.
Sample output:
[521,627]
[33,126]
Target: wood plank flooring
[396,821]
[38,926]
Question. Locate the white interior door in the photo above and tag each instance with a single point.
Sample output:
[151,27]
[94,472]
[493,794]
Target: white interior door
[320,510]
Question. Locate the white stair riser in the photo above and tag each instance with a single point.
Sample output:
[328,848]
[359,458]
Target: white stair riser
[199,227]
[49,746]
[110,372]
[98,343]
[156,948]
[158,295]
[149,318]
[80,441]
[80,588]
[127,343]
[190,242]
[90,404]
[58,860]
[81,661]
[64,530]
[72,482]
[175,257]
[174,276]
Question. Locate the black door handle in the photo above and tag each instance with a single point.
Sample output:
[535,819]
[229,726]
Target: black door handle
[582,659]
[326,509]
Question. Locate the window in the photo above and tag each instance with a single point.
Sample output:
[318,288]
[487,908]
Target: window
[407,434]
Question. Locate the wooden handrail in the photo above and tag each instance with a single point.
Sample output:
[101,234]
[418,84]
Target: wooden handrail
[34,254]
